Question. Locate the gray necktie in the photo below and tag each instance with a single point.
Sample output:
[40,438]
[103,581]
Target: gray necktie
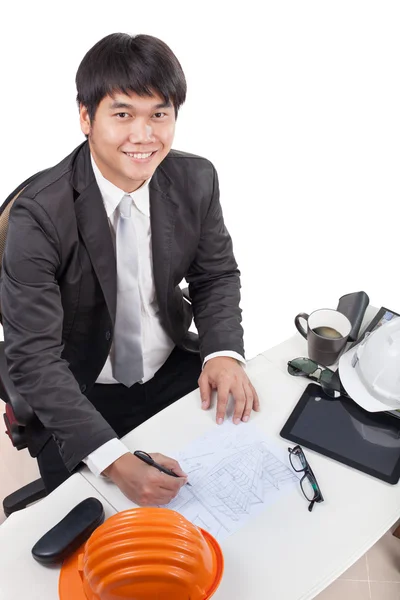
[128,357]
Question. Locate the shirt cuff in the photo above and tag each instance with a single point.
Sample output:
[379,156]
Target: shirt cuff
[104,456]
[228,353]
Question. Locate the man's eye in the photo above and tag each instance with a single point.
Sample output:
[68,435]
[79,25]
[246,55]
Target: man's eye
[122,115]
[160,113]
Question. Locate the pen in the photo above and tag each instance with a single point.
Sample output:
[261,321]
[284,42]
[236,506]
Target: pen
[150,461]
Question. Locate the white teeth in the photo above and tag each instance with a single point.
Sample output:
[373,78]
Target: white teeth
[138,155]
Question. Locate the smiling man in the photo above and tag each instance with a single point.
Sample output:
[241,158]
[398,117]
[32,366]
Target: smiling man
[95,324]
[125,161]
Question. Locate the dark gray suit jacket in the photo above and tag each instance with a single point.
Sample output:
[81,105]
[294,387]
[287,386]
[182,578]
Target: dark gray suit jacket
[58,288]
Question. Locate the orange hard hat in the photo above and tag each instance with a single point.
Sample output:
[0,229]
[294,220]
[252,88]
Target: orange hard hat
[144,554]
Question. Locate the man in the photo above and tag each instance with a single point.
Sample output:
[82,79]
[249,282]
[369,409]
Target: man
[95,325]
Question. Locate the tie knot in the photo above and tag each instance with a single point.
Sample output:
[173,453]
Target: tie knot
[125,206]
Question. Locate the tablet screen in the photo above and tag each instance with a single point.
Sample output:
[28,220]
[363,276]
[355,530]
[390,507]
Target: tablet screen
[342,430]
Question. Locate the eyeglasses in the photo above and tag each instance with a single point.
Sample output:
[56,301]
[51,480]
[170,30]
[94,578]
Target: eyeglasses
[308,483]
[328,380]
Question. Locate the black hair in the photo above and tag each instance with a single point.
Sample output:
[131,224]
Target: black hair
[123,63]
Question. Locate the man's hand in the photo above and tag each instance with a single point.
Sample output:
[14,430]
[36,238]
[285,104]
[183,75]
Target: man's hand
[226,375]
[143,484]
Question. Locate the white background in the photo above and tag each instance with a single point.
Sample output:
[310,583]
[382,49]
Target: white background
[297,105]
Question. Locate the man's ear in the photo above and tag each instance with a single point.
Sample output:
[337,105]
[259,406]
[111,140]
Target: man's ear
[84,119]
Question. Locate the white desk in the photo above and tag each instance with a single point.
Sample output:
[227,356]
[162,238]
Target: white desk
[286,553]
[21,577]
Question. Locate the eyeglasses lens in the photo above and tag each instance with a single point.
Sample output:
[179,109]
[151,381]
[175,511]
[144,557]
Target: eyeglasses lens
[298,461]
[300,366]
[309,488]
[308,367]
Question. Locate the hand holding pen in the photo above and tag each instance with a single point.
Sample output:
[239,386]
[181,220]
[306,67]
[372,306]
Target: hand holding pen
[146,484]
[150,461]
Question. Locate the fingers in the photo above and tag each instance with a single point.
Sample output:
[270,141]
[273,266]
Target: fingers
[144,484]
[245,402]
[172,484]
[239,395]
[167,492]
[256,403]
[168,462]
[160,497]
[222,400]
[165,500]
[249,403]
[167,482]
[205,391]
[245,397]
[160,488]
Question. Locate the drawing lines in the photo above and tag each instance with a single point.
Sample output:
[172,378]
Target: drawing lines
[241,481]
[234,475]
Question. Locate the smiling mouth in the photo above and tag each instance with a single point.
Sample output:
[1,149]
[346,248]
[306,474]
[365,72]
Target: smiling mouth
[140,156]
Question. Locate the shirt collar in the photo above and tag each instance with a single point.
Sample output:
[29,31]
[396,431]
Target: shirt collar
[112,195]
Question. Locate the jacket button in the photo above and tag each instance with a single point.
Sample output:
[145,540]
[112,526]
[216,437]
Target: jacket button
[108,335]
[83,388]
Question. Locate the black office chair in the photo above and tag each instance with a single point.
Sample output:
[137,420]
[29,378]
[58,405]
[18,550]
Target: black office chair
[17,416]
[18,413]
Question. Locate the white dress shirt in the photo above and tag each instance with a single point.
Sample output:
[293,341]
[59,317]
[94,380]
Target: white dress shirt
[156,344]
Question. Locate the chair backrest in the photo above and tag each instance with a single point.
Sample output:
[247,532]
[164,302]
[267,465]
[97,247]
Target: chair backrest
[20,408]
[5,214]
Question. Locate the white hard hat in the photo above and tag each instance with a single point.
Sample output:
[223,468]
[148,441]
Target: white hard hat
[370,372]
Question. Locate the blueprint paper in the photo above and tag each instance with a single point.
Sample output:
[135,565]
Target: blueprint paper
[234,472]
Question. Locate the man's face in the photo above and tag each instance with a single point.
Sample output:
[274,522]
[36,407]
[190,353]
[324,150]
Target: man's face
[124,126]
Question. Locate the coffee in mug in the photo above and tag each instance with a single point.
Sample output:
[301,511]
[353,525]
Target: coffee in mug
[326,334]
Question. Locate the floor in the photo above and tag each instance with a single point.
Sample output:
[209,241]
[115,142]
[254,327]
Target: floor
[376,576]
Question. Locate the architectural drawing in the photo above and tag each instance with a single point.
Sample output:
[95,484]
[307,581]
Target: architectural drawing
[233,475]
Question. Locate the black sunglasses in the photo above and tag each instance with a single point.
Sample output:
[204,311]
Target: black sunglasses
[308,482]
[328,380]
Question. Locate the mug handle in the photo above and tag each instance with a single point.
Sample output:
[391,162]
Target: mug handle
[299,328]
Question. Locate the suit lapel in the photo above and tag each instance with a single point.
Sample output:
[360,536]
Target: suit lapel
[95,230]
[163,212]
[94,227]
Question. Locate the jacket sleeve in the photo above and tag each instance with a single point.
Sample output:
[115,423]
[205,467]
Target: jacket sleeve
[32,320]
[214,284]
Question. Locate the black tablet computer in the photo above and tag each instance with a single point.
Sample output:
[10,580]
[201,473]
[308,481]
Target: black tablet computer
[342,430]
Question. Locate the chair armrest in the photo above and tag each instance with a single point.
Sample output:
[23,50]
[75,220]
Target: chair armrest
[20,499]
[21,409]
